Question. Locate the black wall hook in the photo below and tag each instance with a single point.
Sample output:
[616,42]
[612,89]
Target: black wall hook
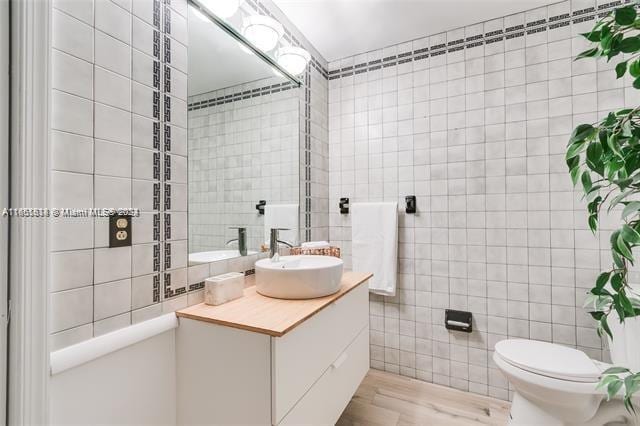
[344,205]
[411,203]
[260,206]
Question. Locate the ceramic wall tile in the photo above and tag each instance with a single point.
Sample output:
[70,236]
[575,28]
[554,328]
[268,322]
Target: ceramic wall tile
[112,159]
[70,337]
[496,232]
[71,308]
[79,9]
[110,324]
[71,75]
[112,54]
[112,298]
[112,89]
[113,20]
[71,114]
[112,264]
[112,124]
[71,35]
[108,150]
[71,153]
[71,269]
[146,259]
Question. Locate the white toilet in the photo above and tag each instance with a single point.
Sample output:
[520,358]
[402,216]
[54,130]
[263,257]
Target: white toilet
[556,386]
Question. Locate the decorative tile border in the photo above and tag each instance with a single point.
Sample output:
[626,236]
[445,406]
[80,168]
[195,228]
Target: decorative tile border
[247,94]
[552,23]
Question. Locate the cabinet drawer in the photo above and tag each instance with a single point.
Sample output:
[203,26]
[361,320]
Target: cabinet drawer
[300,357]
[326,400]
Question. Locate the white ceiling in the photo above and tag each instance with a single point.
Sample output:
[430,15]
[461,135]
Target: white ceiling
[342,28]
[217,61]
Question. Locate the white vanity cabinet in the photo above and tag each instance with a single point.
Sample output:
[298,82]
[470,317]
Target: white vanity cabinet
[304,372]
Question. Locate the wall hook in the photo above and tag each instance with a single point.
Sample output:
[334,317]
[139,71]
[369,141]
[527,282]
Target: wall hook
[344,205]
[411,203]
[260,206]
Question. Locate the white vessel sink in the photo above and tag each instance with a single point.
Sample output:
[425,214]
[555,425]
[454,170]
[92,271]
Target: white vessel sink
[299,277]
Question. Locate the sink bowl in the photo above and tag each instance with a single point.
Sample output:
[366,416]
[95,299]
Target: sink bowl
[299,277]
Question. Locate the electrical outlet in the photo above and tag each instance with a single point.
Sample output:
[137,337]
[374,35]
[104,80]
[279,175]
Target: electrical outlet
[120,230]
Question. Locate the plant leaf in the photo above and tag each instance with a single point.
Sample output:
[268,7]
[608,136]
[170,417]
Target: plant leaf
[636,83]
[586,181]
[623,249]
[575,175]
[593,36]
[613,388]
[621,68]
[634,68]
[630,44]
[603,278]
[605,326]
[616,370]
[606,379]
[630,208]
[594,152]
[626,304]
[625,15]
[587,53]
[617,260]
[581,132]
[616,282]
[630,235]
[575,149]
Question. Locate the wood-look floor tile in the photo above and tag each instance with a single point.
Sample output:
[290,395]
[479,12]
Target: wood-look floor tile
[361,413]
[389,399]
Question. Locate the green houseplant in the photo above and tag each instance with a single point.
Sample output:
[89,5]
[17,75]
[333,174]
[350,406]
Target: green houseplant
[604,159]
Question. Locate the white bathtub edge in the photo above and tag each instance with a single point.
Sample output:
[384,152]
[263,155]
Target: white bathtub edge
[89,350]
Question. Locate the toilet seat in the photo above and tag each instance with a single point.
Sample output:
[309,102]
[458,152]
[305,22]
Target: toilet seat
[548,359]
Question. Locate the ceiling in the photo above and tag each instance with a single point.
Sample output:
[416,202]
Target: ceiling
[342,28]
[209,48]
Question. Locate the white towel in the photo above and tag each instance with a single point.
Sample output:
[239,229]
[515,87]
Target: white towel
[315,244]
[374,246]
[282,216]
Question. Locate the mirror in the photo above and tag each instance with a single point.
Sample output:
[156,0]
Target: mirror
[243,142]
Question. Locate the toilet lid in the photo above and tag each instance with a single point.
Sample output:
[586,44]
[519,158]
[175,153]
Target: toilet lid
[548,359]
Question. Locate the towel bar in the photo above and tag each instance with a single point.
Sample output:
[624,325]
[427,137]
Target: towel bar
[410,200]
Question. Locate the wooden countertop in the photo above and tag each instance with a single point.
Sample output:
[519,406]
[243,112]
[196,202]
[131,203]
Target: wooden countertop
[267,315]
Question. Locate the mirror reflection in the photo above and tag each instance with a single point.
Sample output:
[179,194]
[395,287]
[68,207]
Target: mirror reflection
[243,147]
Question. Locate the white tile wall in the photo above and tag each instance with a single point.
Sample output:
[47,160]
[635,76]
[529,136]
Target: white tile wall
[97,109]
[477,131]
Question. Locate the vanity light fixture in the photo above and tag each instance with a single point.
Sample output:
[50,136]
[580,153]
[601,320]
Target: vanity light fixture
[224,9]
[262,31]
[293,59]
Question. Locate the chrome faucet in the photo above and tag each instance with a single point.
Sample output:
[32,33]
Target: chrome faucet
[242,240]
[273,243]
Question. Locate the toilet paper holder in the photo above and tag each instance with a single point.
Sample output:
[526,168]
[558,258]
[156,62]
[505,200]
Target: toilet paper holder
[458,320]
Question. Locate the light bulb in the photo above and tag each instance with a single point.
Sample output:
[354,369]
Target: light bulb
[222,8]
[262,31]
[293,59]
